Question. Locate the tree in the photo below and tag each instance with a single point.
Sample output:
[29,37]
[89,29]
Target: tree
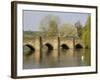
[86,33]
[79,29]
[53,28]
[67,30]
[49,25]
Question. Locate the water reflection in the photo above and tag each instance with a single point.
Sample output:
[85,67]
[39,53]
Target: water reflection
[49,59]
[54,58]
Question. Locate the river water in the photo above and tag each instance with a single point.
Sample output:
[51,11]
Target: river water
[55,58]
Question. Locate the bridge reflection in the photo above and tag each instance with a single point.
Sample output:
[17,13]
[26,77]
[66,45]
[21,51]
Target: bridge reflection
[54,58]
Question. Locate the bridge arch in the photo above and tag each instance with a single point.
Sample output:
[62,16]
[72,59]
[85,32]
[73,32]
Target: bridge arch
[49,46]
[64,46]
[78,46]
[30,46]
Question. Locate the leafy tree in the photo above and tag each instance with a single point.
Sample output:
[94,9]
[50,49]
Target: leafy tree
[53,28]
[49,25]
[79,29]
[67,30]
[86,33]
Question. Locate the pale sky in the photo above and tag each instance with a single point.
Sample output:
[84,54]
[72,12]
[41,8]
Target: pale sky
[32,19]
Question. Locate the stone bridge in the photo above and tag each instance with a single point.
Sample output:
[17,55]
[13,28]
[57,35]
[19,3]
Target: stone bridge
[53,43]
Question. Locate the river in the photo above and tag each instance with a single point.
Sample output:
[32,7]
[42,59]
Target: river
[55,58]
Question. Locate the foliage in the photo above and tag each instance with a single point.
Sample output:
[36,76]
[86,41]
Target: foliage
[79,29]
[49,25]
[86,33]
[52,28]
[67,30]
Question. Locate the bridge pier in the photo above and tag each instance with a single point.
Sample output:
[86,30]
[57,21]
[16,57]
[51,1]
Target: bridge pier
[58,47]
